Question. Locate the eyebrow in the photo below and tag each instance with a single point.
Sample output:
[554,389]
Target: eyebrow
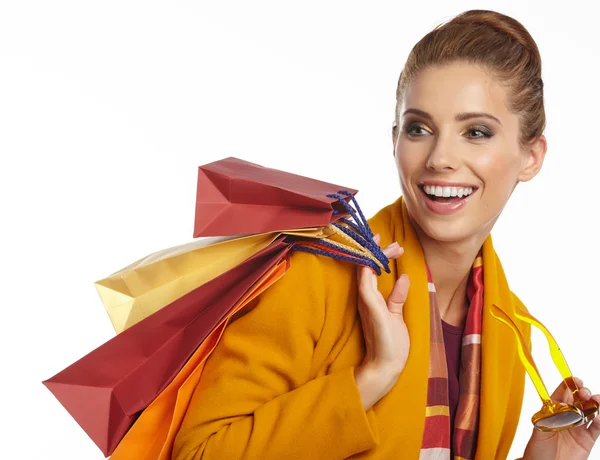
[459,117]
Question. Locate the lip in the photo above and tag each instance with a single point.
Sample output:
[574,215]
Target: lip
[442,183]
[445,208]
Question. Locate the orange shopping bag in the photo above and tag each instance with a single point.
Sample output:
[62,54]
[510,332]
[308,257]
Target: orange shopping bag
[153,434]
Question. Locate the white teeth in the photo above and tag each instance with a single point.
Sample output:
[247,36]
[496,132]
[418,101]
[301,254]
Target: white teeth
[447,191]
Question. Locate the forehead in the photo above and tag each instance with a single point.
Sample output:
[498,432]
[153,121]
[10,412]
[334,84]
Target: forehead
[455,88]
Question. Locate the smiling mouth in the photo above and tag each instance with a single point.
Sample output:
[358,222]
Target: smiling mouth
[446,194]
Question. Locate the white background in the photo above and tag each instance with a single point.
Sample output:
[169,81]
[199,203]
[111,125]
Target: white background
[108,108]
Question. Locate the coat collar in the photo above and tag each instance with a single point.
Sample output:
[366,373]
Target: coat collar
[498,343]
[499,352]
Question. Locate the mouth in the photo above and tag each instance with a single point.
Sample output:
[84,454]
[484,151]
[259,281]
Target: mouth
[444,199]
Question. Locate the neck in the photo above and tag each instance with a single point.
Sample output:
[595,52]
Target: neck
[450,264]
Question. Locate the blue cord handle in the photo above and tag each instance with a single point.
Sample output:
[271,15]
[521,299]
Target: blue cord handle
[359,231]
[369,244]
[367,262]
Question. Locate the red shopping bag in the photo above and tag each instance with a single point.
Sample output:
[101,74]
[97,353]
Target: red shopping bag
[106,390]
[152,435]
[235,197]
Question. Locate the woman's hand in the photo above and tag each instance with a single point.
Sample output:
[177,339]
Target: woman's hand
[573,444]
[385,333]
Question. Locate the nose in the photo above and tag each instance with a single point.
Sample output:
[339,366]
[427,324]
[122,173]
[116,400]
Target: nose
[442,157]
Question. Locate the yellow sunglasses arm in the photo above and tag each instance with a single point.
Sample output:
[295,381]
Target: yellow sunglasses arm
[524,353]
[555,352]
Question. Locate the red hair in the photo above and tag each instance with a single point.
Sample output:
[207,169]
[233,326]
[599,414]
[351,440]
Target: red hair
[496,42]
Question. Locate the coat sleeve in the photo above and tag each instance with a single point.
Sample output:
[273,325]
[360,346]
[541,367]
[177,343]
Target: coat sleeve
[258,397]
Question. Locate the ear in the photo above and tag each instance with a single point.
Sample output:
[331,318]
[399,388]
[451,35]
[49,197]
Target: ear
[394,139]
[533,158]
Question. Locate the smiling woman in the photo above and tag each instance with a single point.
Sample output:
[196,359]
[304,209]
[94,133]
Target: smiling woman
[334,363]
[458,132]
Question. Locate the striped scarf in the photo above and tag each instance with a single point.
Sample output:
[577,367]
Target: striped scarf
[436,438]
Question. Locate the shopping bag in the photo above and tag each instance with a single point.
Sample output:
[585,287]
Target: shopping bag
[236,197]
[106,390]
[143,287]
[152,435]
[140,289]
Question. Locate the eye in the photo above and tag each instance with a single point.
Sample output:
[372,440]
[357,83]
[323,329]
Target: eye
[478,132]
[415,129]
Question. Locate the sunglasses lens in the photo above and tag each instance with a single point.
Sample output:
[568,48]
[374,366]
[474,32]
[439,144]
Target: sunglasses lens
[559,421]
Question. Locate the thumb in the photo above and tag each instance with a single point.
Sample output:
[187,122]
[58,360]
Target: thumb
[398,295]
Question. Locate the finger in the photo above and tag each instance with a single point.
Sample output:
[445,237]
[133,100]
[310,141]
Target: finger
[377,239]
[562,392]
[393,251]
[594,428]
[364,278]
[398,295]
[367,284]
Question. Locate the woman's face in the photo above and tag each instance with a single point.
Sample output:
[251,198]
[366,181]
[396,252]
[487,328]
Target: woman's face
[457,151]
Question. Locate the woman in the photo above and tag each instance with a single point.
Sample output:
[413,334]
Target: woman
[323,367]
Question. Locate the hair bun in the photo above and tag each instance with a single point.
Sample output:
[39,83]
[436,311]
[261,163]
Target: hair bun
[501,23]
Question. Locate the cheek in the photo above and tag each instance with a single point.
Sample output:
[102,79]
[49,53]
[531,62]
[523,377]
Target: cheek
[409,159]
[498,171]
[406,170]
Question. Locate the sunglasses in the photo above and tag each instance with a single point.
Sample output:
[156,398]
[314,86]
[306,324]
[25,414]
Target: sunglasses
[553,416]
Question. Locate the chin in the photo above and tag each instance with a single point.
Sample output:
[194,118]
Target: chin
[448,231]
[455,227]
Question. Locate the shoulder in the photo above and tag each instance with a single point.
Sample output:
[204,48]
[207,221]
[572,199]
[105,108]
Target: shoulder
[313,287]
[315,275]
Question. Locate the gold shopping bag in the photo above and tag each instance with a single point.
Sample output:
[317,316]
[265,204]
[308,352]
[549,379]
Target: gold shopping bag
[145,286]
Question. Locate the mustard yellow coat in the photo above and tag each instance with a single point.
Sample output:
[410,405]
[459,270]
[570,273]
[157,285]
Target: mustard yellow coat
[280,385]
